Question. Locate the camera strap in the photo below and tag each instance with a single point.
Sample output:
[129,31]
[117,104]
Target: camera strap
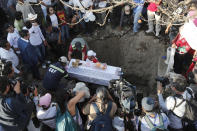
[51,118]
[175,106]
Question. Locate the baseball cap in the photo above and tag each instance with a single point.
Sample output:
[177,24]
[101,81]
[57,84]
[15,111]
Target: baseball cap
[45,100]
[78,46]
[7,25]
[63,59]
[148,103]
[80,86]
[91,53]
[195,22]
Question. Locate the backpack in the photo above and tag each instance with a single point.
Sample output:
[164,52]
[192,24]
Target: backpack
[190,114]
[155,128]
[65,122]
[102,122]
[190,108]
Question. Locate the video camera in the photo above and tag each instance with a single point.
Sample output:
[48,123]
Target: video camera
[163,80]
[125,92]
[12,82]
[23,85]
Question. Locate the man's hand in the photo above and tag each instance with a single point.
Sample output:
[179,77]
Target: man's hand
[195,54]
[17,88]
[159,88]
[35,92]
[173,45]
[92,99]
[45,43]
[166,31]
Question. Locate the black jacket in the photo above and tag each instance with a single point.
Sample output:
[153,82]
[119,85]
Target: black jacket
[14,112]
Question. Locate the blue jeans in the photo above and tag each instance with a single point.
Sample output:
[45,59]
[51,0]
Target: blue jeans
[82,22]
[44,13]
[137,12]
[40,51]
[8,128]
[65,32]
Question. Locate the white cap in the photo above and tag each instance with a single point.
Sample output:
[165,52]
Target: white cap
[63,59]
[80,86]
[91,53]
[32,16]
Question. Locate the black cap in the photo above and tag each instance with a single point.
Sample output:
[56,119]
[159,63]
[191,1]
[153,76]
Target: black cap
[78,46]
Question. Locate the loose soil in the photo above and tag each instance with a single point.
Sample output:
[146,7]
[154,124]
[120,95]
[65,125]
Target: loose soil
[138,55]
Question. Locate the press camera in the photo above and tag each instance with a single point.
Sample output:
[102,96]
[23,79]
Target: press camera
[163,80]
[125,92]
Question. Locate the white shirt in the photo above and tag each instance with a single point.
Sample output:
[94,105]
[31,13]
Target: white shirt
[9,55]
[102,4]
[25,40]
[82,4]
[36,36]
[47,2]
[54,20]
[155,121]
[12,38]
[175,122]
[45,114]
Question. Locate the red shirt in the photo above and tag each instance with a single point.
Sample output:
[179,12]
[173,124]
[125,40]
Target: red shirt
[61,15]
[83,50]
[152,7]
[94,60]
[182,45]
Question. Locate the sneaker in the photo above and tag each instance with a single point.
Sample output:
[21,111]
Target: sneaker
[149,31]
[157,34]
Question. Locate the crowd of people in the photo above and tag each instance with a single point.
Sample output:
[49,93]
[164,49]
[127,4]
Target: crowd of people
[32,32]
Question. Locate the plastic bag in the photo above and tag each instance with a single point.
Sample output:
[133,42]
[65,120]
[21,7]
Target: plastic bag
[171,59]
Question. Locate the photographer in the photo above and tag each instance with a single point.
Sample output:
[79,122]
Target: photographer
[13,109]
[153,120]
[174,106]
[46,111]
[103,101]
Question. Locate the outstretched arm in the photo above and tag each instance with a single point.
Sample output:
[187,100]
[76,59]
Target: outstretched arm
[72,103]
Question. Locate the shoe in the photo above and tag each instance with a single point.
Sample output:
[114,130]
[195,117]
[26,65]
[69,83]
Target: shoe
[149,31]
[157,34]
